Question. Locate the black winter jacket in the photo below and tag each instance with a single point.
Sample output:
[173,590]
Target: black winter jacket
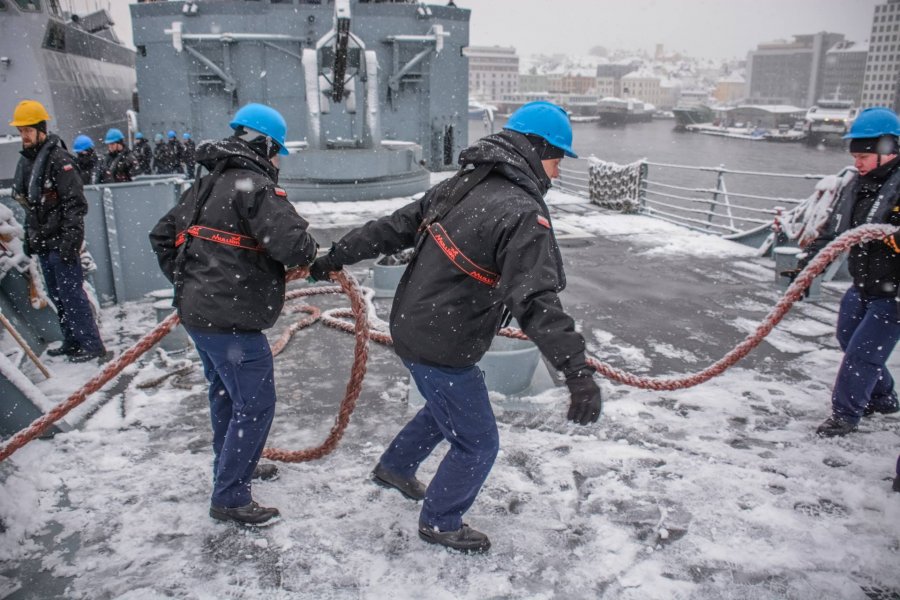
[48,185]
[119,167]
[443,316]
[89,166]
[226,288]
[165,160]
[871,198]
[143,153]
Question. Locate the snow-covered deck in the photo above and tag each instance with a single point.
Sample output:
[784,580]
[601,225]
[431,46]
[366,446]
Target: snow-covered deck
[720,491]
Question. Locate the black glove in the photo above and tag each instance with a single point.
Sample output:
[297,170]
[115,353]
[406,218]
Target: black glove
[587,402]
[792,275]
[322,267]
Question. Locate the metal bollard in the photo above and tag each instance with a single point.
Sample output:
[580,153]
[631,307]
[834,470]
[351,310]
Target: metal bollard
[177,339]
[786,259]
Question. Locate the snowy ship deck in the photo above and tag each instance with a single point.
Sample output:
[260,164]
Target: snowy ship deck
[720,491]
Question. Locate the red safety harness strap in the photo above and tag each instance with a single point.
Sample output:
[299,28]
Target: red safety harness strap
[228,238]
[462,262]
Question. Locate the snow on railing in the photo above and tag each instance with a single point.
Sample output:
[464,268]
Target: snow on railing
[669,192]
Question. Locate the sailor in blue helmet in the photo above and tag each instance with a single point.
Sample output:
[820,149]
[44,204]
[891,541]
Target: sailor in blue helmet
[226,247]
[189,154]
[120,164]
[86,159]
[868,324]
[165,161]
[485,252]
[176,148]
[143,153]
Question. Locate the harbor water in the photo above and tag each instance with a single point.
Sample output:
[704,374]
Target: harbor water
[658,142]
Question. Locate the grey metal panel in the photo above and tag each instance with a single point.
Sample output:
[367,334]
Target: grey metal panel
[38,327]
[98,245]
[17,411]
[179,92]
[136,208]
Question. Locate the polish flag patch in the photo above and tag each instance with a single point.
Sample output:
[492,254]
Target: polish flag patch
[280,192]
[68,167]
[543,222]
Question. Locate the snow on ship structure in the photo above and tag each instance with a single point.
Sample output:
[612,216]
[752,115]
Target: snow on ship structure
[373,93]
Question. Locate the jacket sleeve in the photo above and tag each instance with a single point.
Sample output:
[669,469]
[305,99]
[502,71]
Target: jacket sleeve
[528,283]
[273,221]
[387,235]
[72,205]
[162,239]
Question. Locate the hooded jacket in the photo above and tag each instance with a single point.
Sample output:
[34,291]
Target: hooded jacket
[870,198]
[442,315]
[219,286]
[48,185]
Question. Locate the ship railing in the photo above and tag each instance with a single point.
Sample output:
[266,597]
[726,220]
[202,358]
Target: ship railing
[716,200]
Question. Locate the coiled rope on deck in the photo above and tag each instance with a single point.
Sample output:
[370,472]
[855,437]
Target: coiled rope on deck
[347,284]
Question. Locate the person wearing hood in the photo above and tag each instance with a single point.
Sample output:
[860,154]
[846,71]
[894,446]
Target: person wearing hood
[226,247]
[868,323]
[485,251]
[86,159]
[165,162]
[48,185]
[120,165]
[143,153]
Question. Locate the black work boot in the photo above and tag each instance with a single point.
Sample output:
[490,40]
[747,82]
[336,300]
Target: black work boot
[885,405]
[266,472]
[64,350]
[411,488]
[81,355]
[465,539]
[252,514]
[835,426]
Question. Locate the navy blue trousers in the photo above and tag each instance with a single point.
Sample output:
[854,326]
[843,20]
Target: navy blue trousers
[241,378]
[65,285]
[457,409]
[867,331]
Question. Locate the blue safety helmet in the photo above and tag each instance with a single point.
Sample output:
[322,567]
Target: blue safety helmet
[82,143]
[158,138]
[186,135]
[545,120]
[139,136]
[874,122]
[172,133]
[263,119]
[113,136]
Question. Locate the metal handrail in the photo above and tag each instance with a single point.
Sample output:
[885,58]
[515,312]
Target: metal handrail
[726,211]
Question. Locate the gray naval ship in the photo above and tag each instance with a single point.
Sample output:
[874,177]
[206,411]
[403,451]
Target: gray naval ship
[375,94]
[73,64]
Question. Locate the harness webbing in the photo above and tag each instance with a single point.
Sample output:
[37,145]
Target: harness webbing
[462,262]
[217,235]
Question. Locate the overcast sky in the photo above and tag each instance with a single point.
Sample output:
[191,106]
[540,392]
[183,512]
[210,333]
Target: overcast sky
[700,28]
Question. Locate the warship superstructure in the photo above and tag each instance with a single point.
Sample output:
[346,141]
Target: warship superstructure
[73,64]
[374,93]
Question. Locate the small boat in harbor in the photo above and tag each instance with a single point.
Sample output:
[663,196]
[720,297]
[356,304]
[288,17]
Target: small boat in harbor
[777,123]
[619,111]
[829,120]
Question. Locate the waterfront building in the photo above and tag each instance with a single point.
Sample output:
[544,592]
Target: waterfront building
[730,89]
[493,71]
[609,78]
[845,67]
[880,81]
[789,72]
[643,85]
[533,82]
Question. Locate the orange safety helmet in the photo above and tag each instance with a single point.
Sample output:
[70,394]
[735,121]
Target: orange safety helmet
[29,113]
